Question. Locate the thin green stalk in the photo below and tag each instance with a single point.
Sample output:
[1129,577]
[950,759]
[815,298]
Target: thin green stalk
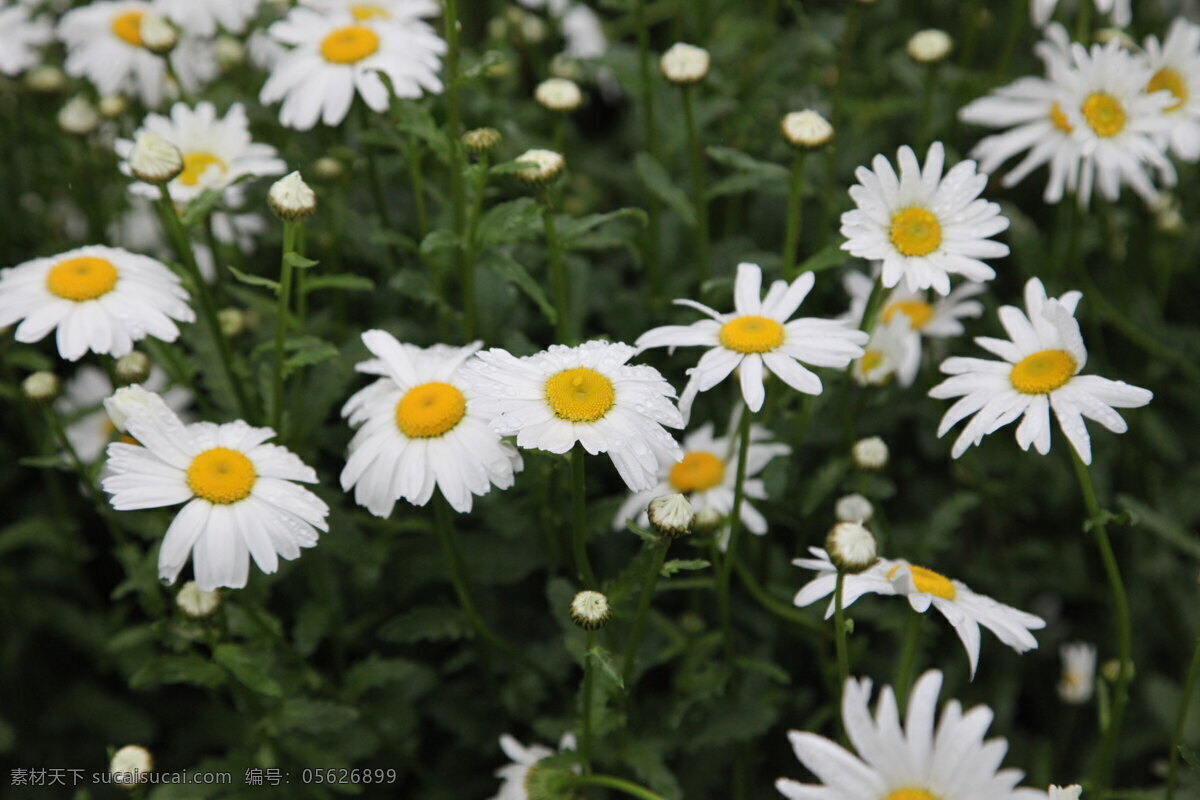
[1016,24]
[618,784]
[783,610]
[874,301]
[585,717]
[458,202]
[845,53]
[639,620]
[1083,24]
[735,527]
[583,567]
[208,311]
[650,143]
[214,247]
[1102,771]
[908,657]
[795,210]
[1181,718]
[696,158]
[470,315]
[558,271]
[970,30]
[413,154]
[281,324]
[925,135]
[839,632]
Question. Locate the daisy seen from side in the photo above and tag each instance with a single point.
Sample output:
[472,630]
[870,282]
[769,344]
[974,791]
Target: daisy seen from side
[1175,62]
[524,758]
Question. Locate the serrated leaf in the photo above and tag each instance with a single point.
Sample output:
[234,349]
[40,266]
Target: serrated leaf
[414,119]
[744,162]
[440,240]
[254,280]
[294,259]
[314,716]
[513,221]
[1190,757]
[573,230]
[656,179]
[762,667]
[177,669]
[307,356]
[427,625]
[376,671]
[506,267]
[342,282]
[607,664]
[1162,525]
[1106,517]
[681,565]
[247,668]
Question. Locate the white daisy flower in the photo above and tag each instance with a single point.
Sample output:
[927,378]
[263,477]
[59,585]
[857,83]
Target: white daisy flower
[99,298]
[1072,792]
[203,17]
[586,394]
[217,152]
[241,499]
[523,759]
[333,57]
[418,427]
[963,609]
[1040,371]
[1040,11]
[707,475]
[88,428]
[395,10]
[939,319]
[24,35]
[1078,680]
[759,334]
[104,45]
[889,349]
[1175,63]
[921,761]
[582,29]
[923,226]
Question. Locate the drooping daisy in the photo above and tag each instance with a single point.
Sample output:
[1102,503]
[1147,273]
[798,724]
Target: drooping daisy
[921,761]
[924,226]
[240,495]
[1175,63]
[586,394]
[1040,372]
[706,477]
[1122,11]
[939,319]
[101,299]
[418,428]
[203,17]
[217,152]
[1078,679]
[23,35]
[523,759]
[759,334]
[963,609]
[396,10]
[333,57]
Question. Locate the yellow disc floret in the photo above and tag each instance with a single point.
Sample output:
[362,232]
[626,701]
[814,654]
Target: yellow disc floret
[83,278]
[1042,372]
[751,334]
[221,475]
[350,44]
[128,27]
[698,472]
[1104,114]
[911,793]
[870,360]
[1167,79]
[916,231]
[364,11]
[918,312]
[580,394]
[1060,119]
[928,582]
[430,409]
[196,163]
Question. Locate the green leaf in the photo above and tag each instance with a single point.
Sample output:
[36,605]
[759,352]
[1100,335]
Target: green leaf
[433,624]
[414,119]
[646,535]
[506,267]
[254,280]
[343,282]
[659,183]
[680,565]
[440,240]
[827,258]
[315,716]
[1106,517]
[200,208]
[1190,757]
[248,669]
[42,462]
[376,671]
[307,356]
[513,221]
[576,227]
[177,669]
[744,162]
[763,667]
[1162,526]
[298,261]
[607,664]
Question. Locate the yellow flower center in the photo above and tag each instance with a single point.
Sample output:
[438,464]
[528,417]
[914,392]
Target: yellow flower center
[195,164]
[83,278]
[928,582]
[580,394]
[870,360]
[751,334]
[349,44]
[698,472]
[916,231]
[1104,114]
[128,27]
[1171,81]
[1060,119]
[911,793]
[364,11]
[918,313]
[1042,372]
[429,410]
[221,475]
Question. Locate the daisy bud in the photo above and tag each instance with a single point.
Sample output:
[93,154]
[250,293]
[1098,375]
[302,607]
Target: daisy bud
[480,140]
[158,35]
[46,79]
[1071,792]
[328,169]
[671,515]
[854,508]
[547,165]
[558,94]
[806,129]
[113,105]
[708,520]
[929,46]
[232,321]
[127,401]
[291,198]
[78,116]
[195,602]
[1167,218]
[851,547]
[1112,668]
[590,610]
[230,52]
[130,765]
[870,454]
[133,367]
[684,64]
[154,160]
[41,387]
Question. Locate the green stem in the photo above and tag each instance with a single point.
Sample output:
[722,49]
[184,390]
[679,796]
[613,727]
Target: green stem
[1102,771]
[458,202]
[1181,718]
[214,247]
[558,271]
[1016,24]
[779,608]
[839,632]
[585,716]
[619,784]
[735,527]
[413,154]
[871,311]
[795,209]
[208,311]
[639,621]
[470,315]
[908,657]
[925,134]
[281,324]
[650,143]
[583,567]
[845,53]
[696,157]
[1083,24]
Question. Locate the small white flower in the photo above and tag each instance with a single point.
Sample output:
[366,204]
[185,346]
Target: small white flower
[24,36]
[131,765]
[1072,792]
[671,515]
[1040,11]
[558,94]
[854,508]
[392,10]
[153,159]
[851,547]
[590,610]
[685,63]
[46,79]
[1175,63]
[1078,680]
[889,349]
[870,453]
[204,17]
[291,198]
[112,106]
[806,129]
[929,46]
[523,759]
[195,602]
[158,35]
[78,116]
[41,387]
[547,165]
